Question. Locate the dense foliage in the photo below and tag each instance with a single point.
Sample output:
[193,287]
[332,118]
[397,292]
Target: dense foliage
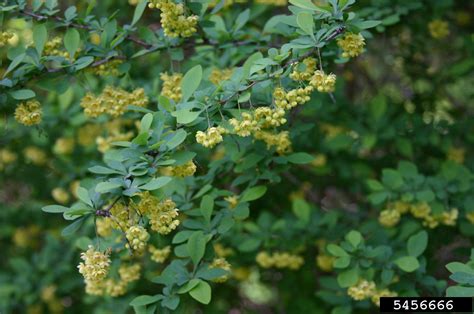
[234,156]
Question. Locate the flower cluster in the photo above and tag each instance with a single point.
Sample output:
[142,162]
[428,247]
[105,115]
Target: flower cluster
[325,262]
[60,195]
[173,19]
[305,70]
[367,289]
[28,113]
[362,290]
[279,260]
[422,210]
[35,155]
[268,117]
[159,255]
[221,263]
[287,100]
[87,134]
[162,214]
[351,44]
[217,76]
[113,287]
[186,170]
[109,68]
[439,29]
[245,126]
[53,48]
[5,37]
[323,82]
[171,85]
[137,238]
[6,157]
[113,101]
[281,141]
[163,217]
[94,268]
[211,137]
[64,146]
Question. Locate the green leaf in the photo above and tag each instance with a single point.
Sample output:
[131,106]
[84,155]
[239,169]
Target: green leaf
[54,209]
[463,278]
[241,20]
[417,243]
[207,206]
[300,158]
[189,285]
[348,278]
[196,246]
[407,263]
[458,291]
[15,62]
[40,36]
[72,228]
[342,262]
[178,138]
[83,195]
[367,24]
[392,178]
[191,81]
[201,292]
[336,250]
[72,40]
[253,193]
[454,267]
[140,8]
[102,170]
[103,187]
[306,4]
[155,184]
[306,22]
[185,116]
[354,238]
[301,209]
[146,122]
[22,94]
[145,299]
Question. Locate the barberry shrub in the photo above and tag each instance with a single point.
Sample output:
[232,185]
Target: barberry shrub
[214,155]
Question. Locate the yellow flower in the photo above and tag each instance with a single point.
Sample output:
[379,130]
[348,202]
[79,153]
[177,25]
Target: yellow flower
[173,20]
[171,86]
[439,29]
[233,200]
[218,76]
[279,260]
[281,141]
[35,155]
[113,101]
[325,262]
[362,290]
[389,217]
[60,195]
[244,127]
[470,217]
[323,82]
[307,71]
[223,264]
[129,273]
[159,255]
[64,146]
[211,137]
[186,170]
[351,44]
[456,154]
[449,218]
[28,113]
[420,210]
[137,238]
[5,37]
[95,266]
